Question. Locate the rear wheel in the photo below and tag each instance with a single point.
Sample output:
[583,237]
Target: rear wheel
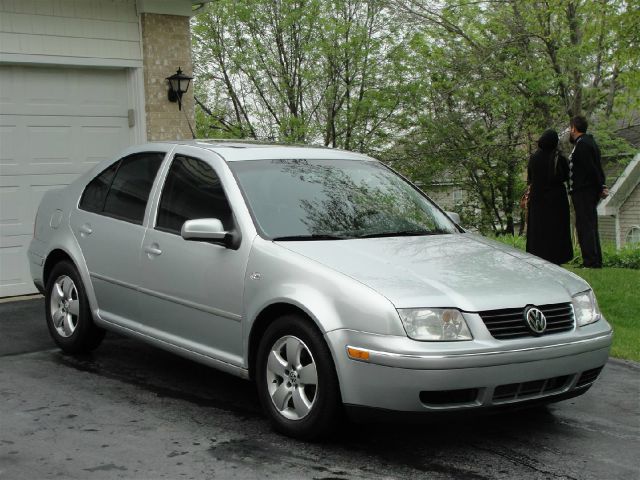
[67,311]
[296,379]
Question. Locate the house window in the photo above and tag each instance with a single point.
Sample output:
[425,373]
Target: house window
[634,235]
[458,196]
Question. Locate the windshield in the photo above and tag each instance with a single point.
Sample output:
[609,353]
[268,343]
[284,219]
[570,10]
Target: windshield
[334,199]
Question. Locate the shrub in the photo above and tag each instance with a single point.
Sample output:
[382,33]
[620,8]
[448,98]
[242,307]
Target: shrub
[627,257]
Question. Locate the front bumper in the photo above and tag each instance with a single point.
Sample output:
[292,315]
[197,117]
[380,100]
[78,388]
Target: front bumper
[404,375]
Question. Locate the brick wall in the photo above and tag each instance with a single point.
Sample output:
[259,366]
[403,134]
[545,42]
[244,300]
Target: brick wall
[166,45]
[630,214]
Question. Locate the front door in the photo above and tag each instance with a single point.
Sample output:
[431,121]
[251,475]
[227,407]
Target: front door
[191,291]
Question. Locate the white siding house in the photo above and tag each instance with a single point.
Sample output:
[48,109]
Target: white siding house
[619,213]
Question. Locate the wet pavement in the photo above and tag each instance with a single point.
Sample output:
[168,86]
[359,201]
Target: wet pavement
[132,411]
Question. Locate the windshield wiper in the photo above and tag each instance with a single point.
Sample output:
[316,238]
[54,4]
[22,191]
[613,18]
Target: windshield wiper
[310,237]
[402,233]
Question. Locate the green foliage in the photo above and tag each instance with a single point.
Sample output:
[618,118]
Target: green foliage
[496,74]
[319,71]
[627,257]
[446,92]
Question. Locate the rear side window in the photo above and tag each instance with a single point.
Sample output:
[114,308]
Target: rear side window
[96,192]
[191,190]
[123,189]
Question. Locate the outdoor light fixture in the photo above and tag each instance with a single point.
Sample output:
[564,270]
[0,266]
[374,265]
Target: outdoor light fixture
[178,85]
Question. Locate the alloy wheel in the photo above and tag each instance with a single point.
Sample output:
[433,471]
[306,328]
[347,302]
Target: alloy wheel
[64,306]
[292,377]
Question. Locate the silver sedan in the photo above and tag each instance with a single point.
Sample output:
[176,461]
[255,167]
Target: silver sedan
[322,275]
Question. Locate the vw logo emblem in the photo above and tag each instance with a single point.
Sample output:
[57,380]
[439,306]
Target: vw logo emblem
[535,319]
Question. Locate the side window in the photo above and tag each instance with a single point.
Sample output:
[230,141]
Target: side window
[191,190]
[95,193]
[129,192]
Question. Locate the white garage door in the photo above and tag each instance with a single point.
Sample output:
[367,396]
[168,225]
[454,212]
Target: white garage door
[55,123]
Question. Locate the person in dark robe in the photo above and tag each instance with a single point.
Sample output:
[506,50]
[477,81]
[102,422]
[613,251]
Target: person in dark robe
[548,224]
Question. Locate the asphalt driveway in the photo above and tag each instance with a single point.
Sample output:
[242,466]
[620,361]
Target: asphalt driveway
[131,411]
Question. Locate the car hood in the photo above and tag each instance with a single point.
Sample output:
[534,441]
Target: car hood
[464,271]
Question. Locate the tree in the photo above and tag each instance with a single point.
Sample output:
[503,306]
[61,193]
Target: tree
[315,71]
[497,73]
[454,89]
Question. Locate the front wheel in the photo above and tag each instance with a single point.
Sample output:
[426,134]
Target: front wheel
[67,311]
[296,379]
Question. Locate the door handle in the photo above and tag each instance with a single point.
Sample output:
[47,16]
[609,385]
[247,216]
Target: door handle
[152,250]
[86,230]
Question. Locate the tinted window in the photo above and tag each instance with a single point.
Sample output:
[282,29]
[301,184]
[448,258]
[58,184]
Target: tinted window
[192,190]
[129,192]
[96,192]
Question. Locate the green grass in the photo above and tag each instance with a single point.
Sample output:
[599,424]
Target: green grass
[617,291]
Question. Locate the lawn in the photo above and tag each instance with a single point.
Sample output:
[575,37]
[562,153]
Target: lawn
[618,294]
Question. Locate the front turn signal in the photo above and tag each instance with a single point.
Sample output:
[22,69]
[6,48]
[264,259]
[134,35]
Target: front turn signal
[357,354]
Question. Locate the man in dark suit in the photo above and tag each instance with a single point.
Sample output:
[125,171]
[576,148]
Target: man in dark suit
[587,187]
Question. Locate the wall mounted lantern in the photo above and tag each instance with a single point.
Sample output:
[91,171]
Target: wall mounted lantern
[178,85]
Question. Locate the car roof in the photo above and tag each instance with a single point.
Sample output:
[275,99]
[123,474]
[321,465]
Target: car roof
[238,150]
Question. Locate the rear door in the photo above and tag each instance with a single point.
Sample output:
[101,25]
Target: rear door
[108,225]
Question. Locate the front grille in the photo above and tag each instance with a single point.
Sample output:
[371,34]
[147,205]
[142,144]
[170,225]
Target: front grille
[510,323]
[588,377]
[535,388]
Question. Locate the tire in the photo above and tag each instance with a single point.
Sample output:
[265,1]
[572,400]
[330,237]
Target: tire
[67,311]
[302,402]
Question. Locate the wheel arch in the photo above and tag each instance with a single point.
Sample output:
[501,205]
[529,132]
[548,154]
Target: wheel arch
[59,253]
[262,321]
[55,256]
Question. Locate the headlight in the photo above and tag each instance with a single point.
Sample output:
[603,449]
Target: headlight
[435,324]
[586,308]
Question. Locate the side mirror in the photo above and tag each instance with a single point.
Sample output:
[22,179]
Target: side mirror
[203,229]
[454,216]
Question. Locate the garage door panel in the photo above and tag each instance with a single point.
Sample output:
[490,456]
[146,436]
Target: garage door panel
[63,91]
[19,199]
[104,141]
[10,141]
[55,124]
[15,278]
[112,97]
[49,147]
[11,211]
[53,145]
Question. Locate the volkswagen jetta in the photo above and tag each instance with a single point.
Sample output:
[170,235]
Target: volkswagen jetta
[320,274]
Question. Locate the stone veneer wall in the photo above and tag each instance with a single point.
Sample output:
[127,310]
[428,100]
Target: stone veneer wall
[166,45]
